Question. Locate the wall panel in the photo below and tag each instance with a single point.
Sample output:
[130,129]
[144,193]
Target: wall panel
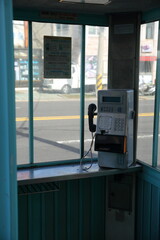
[148,205]
[155,216]
[75,211]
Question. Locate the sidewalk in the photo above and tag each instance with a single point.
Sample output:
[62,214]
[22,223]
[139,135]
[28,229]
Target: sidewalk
[22,95]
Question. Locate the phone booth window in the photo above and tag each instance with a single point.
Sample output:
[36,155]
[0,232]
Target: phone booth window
[20,31]
[56,97]
[147,78]
[96,74]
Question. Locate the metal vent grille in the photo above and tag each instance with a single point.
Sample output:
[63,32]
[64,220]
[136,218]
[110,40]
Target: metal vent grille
[37,188]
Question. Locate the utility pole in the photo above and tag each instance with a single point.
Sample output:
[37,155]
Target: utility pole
[100,60]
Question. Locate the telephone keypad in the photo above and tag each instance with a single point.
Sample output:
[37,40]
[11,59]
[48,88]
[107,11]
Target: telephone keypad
[105,123]
[119,124]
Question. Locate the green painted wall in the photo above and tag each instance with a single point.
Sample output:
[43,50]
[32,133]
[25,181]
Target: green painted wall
[75,212]
[148,205]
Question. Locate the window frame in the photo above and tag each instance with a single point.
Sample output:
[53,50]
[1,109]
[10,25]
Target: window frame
[154,153]
[102,23]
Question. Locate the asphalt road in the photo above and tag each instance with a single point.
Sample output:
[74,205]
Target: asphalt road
[57,128]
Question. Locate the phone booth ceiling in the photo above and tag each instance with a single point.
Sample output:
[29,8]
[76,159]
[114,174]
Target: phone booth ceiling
[88,6]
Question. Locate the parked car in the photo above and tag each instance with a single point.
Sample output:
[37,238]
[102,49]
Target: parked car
[65,85]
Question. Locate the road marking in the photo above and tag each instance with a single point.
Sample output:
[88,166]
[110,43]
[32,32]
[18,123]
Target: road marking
[23,119]
[146,114]
[73,141]
[145,136]
[89,140]
[49,118]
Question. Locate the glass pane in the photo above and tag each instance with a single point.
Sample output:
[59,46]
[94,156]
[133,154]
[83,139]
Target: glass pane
[96,72]
[20,29]
[147,78]
[56,101]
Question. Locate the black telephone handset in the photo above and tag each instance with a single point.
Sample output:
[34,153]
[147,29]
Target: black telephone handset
[91,109]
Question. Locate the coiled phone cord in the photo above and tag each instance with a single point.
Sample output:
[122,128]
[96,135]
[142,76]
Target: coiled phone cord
[89,151]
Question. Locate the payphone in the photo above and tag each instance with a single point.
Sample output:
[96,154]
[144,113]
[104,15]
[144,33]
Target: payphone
[114,129]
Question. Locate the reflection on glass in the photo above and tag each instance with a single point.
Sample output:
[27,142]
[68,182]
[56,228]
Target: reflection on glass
[56,101]
[20,29]
[147,78]
[96,72]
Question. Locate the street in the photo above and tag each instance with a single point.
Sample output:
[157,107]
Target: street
[57,128]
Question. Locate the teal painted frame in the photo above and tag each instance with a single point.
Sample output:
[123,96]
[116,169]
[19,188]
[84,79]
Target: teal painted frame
[8,169]
[82,19]
[45,164]
[150,174]
[30,96]
[157,108]
[150,16]
[82,91]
